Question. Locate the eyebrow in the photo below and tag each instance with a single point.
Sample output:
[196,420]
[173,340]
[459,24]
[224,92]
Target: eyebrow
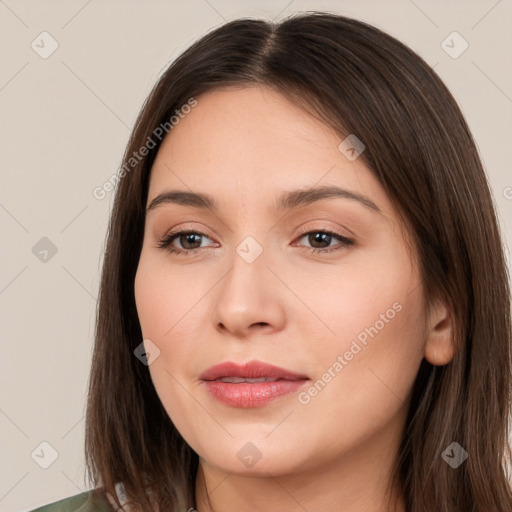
[286,201]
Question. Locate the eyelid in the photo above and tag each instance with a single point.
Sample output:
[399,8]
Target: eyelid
[302,230]
[185,229]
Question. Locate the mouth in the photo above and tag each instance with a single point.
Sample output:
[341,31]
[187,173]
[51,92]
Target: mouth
[236,380]
[253,384]
[251,371]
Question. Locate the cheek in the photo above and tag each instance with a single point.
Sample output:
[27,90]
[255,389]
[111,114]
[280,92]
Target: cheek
[368,340]
[165,297]
[172,306]
[167,307]
[364,377]
[369,297]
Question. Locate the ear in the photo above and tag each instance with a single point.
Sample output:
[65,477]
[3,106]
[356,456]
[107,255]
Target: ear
[440,345]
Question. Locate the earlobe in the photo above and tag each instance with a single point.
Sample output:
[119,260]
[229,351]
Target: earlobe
[440,345]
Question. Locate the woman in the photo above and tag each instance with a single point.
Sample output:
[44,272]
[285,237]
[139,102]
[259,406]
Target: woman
[240,364]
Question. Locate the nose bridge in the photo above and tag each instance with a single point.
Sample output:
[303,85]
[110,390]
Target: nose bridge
[246,296]
[248,273]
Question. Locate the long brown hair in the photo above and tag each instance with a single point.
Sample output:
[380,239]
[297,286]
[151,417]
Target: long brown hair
[358,80]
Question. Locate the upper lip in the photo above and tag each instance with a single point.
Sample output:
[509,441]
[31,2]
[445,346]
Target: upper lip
[250,370]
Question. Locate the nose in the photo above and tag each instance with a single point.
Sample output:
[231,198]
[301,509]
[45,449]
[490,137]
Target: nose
[249,299]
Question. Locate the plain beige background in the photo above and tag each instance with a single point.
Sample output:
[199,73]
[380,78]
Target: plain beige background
[65,121]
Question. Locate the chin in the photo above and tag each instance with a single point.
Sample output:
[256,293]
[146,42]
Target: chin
[255,458]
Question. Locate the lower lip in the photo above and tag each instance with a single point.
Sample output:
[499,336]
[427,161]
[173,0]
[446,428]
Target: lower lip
[251,394]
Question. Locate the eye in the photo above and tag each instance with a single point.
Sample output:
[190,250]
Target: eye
[322,237]
[187,238]
[190,241]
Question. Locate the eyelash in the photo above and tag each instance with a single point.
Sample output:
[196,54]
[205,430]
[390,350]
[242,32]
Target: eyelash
[165,243]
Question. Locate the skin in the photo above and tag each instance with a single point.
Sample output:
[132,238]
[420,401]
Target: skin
[290,308]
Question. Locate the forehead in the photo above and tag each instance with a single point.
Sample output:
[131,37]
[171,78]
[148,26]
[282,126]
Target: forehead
[238,141]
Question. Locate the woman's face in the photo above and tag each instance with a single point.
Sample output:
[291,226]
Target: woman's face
[346,321]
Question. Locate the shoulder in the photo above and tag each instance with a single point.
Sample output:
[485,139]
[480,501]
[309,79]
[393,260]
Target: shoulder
[94,500]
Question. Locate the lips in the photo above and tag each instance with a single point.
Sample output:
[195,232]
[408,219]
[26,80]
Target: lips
[253,384]
[251,370]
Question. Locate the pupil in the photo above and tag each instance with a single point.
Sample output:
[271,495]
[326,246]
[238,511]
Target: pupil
[189,238]
[319,237]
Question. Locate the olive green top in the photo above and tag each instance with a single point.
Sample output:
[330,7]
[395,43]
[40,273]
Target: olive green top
[89,501]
